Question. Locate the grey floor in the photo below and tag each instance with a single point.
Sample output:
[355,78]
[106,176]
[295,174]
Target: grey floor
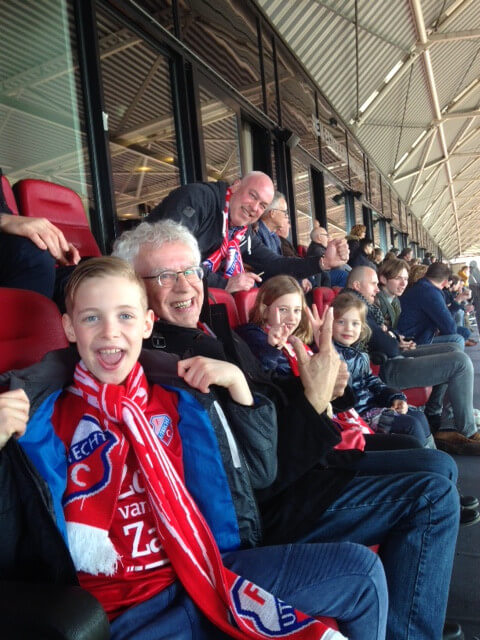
[464,601]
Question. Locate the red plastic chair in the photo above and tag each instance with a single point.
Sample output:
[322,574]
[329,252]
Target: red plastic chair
[30,326]
[245,301]
[8,194]
[62,206]
[302,250]
[416,396]
[323,297]
[220,296]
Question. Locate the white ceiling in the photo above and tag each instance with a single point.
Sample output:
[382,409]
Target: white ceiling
[404,75]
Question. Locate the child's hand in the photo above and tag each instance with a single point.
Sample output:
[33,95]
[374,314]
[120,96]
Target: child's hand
[14,407]
[278,333]
[316,322]
[400,406]
[200,372]
[319,372]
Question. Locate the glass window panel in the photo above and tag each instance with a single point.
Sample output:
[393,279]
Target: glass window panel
[138,100]
[303,200]
[358,211]
[269,71]
[357,169]
[220,138]
[376,199]
[42,123]
[297,101]
[159,10]
[226,38]
[336,215]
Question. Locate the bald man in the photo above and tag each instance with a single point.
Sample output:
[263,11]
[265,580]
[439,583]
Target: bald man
[220,216]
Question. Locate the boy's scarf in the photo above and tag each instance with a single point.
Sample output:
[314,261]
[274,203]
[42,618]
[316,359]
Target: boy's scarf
[291,356]
[372,308]
[238,607]
[229,252]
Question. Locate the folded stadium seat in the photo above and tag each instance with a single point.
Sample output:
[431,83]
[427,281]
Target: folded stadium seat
[416,396]
[245,301]
[220,296]
[30,326]
[8,196]
[302,250]
[62,206]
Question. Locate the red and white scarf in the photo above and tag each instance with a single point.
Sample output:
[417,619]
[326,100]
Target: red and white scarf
[235,605]
[228,256]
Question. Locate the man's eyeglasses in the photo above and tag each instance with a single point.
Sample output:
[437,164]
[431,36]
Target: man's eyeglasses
[167,279]
[284,211]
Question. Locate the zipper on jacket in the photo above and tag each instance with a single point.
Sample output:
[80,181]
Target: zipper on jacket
[230,437]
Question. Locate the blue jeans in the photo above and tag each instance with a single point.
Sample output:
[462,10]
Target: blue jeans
[407,461]
[24,266]
[449,370]
[414,517]
[344,581]
[413,423]
[454,337]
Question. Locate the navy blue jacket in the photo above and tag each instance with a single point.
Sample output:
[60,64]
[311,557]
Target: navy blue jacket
[369,390]
[423,312]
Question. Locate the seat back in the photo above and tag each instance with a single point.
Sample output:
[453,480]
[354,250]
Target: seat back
[62,206]
[30,326]
[245,301]
[8,196]
[220,296]
[323,297]
[302,250]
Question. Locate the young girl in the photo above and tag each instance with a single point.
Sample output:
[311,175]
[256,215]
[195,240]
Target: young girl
[383,408]
[280,311]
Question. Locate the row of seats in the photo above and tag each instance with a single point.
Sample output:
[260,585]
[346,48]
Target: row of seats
[61,205]
[241,303]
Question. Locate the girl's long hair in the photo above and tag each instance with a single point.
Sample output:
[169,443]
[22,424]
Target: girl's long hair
[346,301]
[274,288]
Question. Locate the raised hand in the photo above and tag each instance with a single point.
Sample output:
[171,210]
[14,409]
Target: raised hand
[319,372]
[14,407]
[200,372]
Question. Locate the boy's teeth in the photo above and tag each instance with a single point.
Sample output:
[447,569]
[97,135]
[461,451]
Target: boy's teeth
[107,351]
[182,305]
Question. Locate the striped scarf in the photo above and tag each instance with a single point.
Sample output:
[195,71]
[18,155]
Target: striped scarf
[228,256]
[235,605]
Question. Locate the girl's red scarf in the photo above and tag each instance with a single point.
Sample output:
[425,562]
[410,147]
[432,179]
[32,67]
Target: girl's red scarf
[238,607]
[229,254]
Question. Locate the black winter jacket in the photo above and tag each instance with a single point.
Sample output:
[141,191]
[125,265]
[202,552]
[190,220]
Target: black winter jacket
[369,390]
[199,207]
[311,475]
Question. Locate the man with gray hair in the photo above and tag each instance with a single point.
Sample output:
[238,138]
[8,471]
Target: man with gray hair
[272,220]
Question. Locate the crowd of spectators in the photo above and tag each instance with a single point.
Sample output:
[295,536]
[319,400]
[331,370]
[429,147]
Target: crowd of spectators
[313,373]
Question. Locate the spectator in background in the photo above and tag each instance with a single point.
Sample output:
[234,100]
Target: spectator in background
[456,297]
[363,257]
[406,254]
[286,247]
[424,311]
[417,271]
[427,260]
[275,215]
[474,284]
[393,280]
[378,256]
[357,233]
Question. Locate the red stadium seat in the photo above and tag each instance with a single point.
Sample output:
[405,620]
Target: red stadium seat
[62,206]
[302,250]
[220,296]
[8,195]
[323,297]
[245,301]
[30,326]
[416,396]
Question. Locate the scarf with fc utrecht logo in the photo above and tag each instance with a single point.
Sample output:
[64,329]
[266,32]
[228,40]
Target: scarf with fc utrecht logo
[235,605]
[229,252]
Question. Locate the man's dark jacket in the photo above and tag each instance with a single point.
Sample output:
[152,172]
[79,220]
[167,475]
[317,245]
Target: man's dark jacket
[199,207]
[310,475]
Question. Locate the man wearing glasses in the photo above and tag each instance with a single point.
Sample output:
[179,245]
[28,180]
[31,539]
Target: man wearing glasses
[221,217]
[271,221]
